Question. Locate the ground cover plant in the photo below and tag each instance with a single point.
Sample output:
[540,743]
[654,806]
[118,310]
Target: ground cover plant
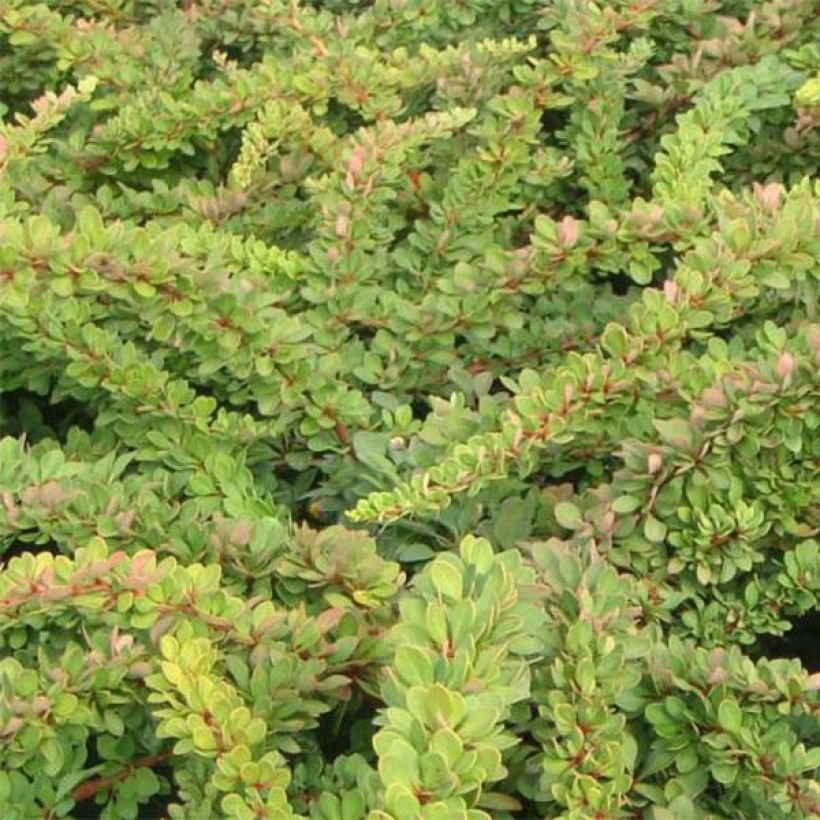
[409,409]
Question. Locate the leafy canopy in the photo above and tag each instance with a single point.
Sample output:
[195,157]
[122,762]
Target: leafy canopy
[408,409]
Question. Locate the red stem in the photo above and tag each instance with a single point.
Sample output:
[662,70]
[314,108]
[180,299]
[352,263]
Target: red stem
[88,789]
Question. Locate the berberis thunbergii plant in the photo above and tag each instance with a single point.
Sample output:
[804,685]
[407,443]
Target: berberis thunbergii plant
[409,409]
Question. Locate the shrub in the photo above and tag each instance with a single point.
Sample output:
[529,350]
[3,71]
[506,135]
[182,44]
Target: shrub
[408,409]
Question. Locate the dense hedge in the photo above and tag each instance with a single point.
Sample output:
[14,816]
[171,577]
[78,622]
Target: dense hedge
[409,409]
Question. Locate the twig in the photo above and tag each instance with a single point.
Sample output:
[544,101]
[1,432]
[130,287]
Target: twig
[88,789]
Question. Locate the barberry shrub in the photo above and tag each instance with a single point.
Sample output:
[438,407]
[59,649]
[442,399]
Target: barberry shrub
[409,409]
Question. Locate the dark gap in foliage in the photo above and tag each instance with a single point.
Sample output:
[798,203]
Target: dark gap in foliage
[341,5]
[554,120]
[340,726]
[210,161]
[400,236]
[19,548]
[293,491]
[362,331]
[581,472]
[153,809]
[523,230]
[157,806]
[242,56]
[417,101]
[341,119]
[727,332]
[620,283]
[17,91]
[509,213]
[667,258]
[497,386]
[302,515]
[556,474]
[413,568]
[420,408]
[23,413]
[89,808]
[92,757]
[801,641]
[218,393]
[638,181]
[219,158]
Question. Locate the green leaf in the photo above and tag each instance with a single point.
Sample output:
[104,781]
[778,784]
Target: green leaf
[568,515]
[414,552]
[730,716]
[625,504]
[653,529]
[675,432]
[414,665]
[512,522]
[479,723]
[204,739]
[725,773]
[585,675]
[65,705]
[434,770]
[446,579]
[498,801]
[776,279]
[234,806]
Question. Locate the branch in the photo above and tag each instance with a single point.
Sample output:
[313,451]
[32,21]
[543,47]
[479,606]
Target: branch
[87,790]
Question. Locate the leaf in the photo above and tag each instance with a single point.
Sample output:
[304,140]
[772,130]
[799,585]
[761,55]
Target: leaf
[398,760]
[568,515]
[675,432]
[414,665]
[687,760]
[434,770]
[413,552]
[653,529]
[812,760]
[498,801]
[565,717]
[585,675]
[446,579]
[370,449]
[479,723]
[629,751]
[204,739]
[625,504]
[65,705]
[512,522]
[725,773]
[234,806]
[448,744]
[775,279]
[730,716]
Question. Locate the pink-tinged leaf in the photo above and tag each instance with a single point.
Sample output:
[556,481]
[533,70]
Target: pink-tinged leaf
[568,231]
[785,365]
[670,291]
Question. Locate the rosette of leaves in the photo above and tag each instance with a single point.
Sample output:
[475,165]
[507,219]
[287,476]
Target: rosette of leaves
[339,566]
[581,754]
[461,644]
[729,734]
[94,636]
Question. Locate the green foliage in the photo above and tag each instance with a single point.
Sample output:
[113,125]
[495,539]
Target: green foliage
[408,409]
